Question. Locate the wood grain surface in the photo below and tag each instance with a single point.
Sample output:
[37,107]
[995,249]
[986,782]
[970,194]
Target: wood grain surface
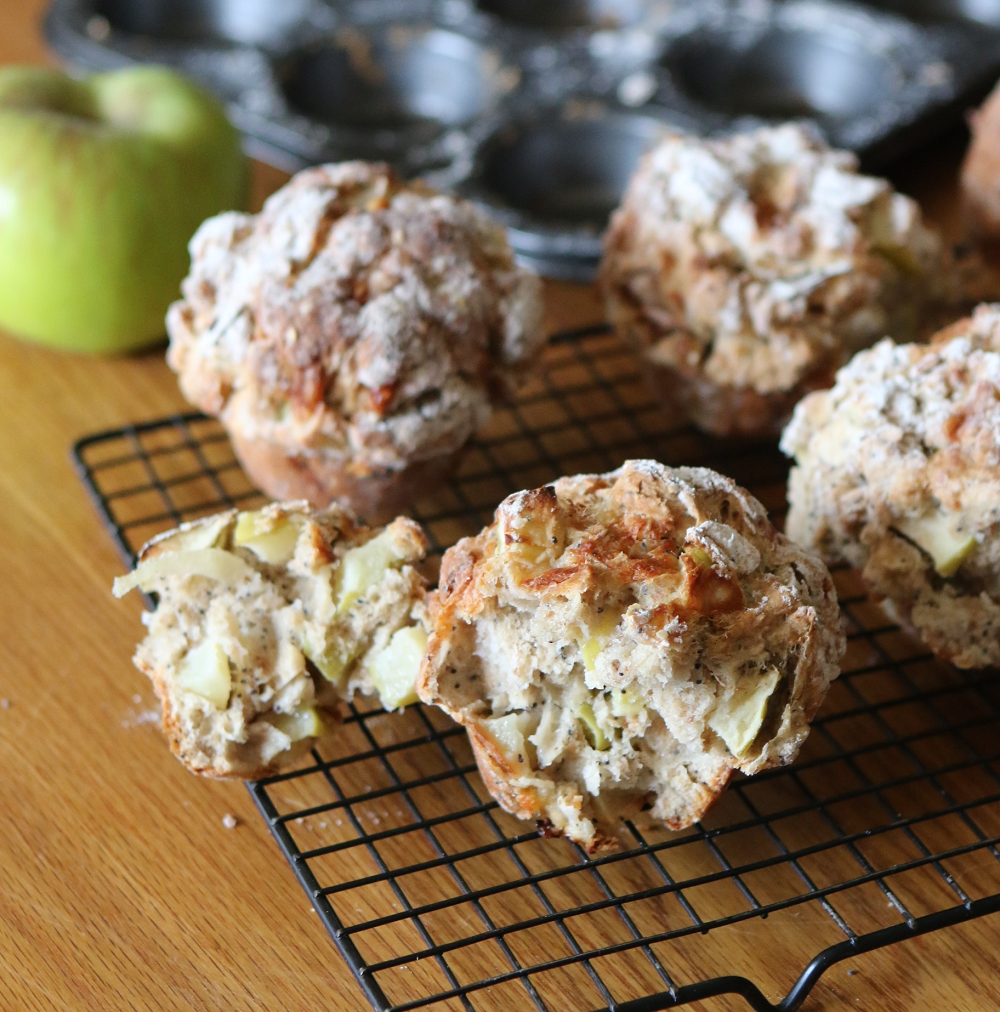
[120,887]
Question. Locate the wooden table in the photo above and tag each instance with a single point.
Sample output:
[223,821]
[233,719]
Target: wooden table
[119,885]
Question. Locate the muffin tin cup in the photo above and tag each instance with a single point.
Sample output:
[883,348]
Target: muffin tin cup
[864,77]
[389,91]
[554,177]
[540,111]
[944,12]
[202,22]
[569,15]
[785,74]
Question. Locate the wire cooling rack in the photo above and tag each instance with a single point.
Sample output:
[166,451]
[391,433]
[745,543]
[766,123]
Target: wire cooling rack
[886,828]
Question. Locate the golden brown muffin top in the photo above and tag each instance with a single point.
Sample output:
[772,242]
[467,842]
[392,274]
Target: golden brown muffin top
[760,256]
[357,315]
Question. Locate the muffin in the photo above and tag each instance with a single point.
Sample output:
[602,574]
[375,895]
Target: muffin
[626,641]
[981,171]
[266,621]
[353,335]
[897,472]
[744,271]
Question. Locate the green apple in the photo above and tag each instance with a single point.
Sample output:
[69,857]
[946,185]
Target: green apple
[594,732]
[738,721]
[205,672]
[627,703]
[395,669]
[300,724]
[941,538]
[510,733]
[272,540]
[332,660]
[363,567]
[102,183]
[212,563]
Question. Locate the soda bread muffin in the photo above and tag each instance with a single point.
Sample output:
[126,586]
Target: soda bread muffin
[265,621]
[353,335]
[981,171]
[746,270]
[897,471]
[625,641]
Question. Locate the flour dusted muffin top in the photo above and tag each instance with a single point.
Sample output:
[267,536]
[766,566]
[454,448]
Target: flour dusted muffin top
[751,267]
[628,640]
[265,621]
[357,318]
[897,471]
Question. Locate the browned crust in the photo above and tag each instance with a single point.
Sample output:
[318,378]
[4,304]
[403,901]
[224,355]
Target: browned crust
[171,726]
[497,774]
[377,496]
[526,803]
[608,546]
[522,802]
[689,395]
[332,242]
[708,794]
[957,329]
[899,591]
[705,592]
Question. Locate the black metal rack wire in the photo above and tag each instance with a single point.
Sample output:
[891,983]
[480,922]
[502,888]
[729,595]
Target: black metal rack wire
[887,827]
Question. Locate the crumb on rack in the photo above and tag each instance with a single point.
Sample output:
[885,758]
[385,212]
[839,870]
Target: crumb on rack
[229,821]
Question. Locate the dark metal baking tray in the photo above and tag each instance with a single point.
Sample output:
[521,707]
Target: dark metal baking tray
[539,109]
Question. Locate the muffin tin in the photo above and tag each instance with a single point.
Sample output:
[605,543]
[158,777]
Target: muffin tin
[539,109]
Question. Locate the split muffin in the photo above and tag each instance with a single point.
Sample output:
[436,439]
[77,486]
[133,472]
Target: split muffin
[746,270]
[627,641]
[897,472]
[353,335]
[266,621]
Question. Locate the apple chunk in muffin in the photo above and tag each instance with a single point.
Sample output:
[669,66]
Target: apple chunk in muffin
[897,472]
[266,621]
[625,641]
